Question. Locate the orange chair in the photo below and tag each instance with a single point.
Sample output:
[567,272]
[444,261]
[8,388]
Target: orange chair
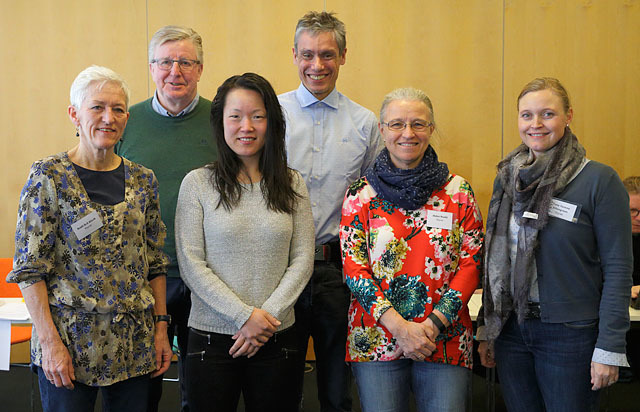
[19,334]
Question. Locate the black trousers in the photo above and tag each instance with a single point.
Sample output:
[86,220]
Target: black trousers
[321,312]
[215,380]
[178,306]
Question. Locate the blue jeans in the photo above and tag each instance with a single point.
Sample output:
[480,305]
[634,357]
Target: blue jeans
[385,386]
[321,311]
[178,306]
[215,380]
[547,366]
[127,395]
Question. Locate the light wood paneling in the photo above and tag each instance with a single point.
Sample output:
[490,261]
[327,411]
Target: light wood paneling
[45,45]
[453,50]
[593,48]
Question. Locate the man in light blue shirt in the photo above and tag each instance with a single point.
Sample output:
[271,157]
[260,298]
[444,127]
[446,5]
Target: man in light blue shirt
[331,141]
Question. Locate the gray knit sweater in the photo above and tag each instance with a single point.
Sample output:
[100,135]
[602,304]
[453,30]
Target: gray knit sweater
[249,257]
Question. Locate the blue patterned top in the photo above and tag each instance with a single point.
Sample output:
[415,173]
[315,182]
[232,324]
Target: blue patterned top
[99,293]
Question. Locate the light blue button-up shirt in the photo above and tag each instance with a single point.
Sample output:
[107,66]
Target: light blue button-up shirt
[158,108]
[331,142]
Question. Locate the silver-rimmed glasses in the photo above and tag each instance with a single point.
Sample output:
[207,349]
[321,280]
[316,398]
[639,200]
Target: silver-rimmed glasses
[186,65]
[416,125]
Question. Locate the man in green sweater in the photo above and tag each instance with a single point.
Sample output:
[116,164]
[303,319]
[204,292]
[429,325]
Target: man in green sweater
[171,134]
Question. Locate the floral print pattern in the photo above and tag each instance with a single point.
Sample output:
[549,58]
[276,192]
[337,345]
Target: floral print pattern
[393,258]
[99,293]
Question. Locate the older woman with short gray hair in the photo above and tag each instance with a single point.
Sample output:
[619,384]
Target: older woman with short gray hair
[89,263]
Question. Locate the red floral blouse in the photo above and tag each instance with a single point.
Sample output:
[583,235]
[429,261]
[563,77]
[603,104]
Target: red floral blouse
[413,261]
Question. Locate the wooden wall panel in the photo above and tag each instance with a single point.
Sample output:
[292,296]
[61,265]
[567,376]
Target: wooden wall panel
[45,45]
[453,50]
[592,47]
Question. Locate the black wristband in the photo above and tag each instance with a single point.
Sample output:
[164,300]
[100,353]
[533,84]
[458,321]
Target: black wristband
[163,318]
[436,321]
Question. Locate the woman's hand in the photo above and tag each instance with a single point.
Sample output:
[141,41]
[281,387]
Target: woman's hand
[412,338]
[603,375]
[242,347]
[163,349]
[486,355]
[56,363]
[255,332]
[415,342]
[56,360]
[635,291]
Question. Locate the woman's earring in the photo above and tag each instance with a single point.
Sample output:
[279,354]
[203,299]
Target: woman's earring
[77,133]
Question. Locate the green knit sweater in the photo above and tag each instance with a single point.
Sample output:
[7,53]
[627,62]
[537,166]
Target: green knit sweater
[171,147]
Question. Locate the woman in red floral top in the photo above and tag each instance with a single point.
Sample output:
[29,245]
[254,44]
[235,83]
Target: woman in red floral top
[411,236]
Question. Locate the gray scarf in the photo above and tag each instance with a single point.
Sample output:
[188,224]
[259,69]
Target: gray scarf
[524,184]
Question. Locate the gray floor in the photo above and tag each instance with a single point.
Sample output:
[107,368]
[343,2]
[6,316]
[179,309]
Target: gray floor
[15,388]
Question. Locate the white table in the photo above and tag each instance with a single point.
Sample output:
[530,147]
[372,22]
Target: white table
[12,310]
[476,301]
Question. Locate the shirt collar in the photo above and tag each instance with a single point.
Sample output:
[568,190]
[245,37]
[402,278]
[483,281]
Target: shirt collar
[157,107]
[305,98]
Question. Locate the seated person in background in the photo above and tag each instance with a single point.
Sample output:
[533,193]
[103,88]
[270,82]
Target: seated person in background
[632,184]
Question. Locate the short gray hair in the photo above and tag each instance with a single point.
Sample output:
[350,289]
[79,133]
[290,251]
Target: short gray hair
[175,33]
[407,93]
[632,184]
[101,76]
[315,22]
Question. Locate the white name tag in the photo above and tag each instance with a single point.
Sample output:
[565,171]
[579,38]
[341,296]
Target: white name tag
[564,210]
[439,220]
[87,225]
[530,215]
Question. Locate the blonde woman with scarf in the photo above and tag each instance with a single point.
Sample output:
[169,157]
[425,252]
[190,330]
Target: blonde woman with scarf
[557,264]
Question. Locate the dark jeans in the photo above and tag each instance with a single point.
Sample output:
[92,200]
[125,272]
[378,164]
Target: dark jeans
[547,366]
[215,379]
[128,395]
[321,312]
[178,306]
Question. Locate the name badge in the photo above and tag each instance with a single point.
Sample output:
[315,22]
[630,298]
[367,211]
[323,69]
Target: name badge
[564,210]
[530,215]
[439,220]
[87,225]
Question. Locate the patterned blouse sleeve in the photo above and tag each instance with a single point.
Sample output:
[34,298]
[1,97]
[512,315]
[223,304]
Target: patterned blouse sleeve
[467,275]
[354,232]
[156,233]
[36,230]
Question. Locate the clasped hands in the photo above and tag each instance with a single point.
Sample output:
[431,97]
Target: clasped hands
[255,332]
[416,341]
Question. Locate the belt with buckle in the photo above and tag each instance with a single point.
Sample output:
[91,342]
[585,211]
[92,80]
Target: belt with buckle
[328,252]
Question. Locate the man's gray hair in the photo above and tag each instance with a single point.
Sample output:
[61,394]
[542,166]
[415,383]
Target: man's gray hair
[315,22]
[175,33]
[99,76]
[407,93]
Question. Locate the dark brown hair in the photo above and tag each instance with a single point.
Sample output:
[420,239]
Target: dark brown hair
[277,183]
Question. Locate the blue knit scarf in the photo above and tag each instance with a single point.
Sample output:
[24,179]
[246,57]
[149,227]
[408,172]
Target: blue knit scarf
[409,189]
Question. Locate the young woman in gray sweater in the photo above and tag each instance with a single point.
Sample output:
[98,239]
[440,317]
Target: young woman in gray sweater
[245,246]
